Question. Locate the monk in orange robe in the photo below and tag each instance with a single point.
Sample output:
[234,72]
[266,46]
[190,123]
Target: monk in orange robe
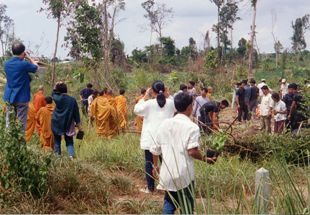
[121,107]
[105,116]
[31,122]
[108,94]
[44,121]
[139,120]
[39,99]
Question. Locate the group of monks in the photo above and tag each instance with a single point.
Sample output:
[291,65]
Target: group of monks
[40,119]
[109,112]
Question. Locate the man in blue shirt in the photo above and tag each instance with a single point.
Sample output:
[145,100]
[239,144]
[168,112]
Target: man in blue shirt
[17,89]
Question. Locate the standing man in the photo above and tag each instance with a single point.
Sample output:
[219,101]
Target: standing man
[260,85]
[39,99]
[191,88]
[266,110]
[241,105]
[17,89]
[254,97]
[84,94]
[121,107]
[177,140]
[283,88]
[199,102]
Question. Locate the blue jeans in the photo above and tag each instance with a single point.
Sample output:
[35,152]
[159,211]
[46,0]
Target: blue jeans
[149,170]
[183,199]
[69,144]
[19,110]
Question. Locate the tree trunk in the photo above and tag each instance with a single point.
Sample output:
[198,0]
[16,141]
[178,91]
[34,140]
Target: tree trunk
[250,72]
[106,45]
[53,75]
[218,33]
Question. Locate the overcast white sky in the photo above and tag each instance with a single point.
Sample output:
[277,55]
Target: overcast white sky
[192,18]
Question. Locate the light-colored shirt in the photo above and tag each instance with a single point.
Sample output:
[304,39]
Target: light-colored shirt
[199,102]
[266,104]
[284,89]
[90,100]
[279,107]
[153,117]
[175,136]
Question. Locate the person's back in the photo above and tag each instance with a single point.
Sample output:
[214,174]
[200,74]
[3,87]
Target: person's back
[44,118]
[31,122]
[39,99]
[18,80]
[153,115]
[66,112]
[105,116]
[176,136]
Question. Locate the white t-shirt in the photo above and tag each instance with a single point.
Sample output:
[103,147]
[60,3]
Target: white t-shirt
[199,102]
[90,100]
[284,89]
[175,136]
[153,117]
[280,107]
[266,104]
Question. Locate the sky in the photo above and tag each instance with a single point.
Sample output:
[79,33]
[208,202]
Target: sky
[192,18]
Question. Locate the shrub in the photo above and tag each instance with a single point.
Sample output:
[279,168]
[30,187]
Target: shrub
[20,167]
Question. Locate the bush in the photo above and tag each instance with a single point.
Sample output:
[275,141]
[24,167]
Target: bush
[21,168]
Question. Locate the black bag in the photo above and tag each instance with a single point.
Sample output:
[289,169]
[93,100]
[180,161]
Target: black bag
[80,135]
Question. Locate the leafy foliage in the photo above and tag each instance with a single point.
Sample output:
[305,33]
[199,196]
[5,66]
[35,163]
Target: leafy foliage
[21,168]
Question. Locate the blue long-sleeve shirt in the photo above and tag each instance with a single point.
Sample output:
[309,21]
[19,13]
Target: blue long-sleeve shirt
[17,89]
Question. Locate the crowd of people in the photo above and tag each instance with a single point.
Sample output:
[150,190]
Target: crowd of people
[170,126]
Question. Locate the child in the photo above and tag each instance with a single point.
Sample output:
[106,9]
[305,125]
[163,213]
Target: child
[279,111]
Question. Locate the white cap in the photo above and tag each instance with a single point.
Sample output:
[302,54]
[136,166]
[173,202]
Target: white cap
[283,80]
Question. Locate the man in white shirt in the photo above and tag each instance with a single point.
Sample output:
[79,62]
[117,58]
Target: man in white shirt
[284,88]
[177,141]
[279,112]
[260,85]
[265,110]
[199,102]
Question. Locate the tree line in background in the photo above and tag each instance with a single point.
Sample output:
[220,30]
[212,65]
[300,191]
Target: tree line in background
[91,38]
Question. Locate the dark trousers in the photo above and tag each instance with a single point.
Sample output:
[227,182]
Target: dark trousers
[243,112]
[85,107]
[149,170]
[183,199]
[69,144]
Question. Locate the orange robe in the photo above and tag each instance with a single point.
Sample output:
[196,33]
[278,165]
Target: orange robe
[44,121]
[31,122]
[105,116]
[121,107]
[138,119]
[210,97]
[38,103]
[38,100]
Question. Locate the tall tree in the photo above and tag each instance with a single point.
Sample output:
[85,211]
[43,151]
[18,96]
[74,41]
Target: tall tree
[216,28]
[6,28]
[299,27]
[57,10]
[158,15]
[253,27]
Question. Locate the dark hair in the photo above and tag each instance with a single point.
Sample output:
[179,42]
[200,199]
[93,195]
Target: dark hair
[252,81]
[18,48]
[101,93]
[275,96]
[293,86]
[48,100]
[204,89]
[61,88]
[265,87]
[182,101]
[245,82]
[89,85]
[122,92]
[159,88]
[225,103]
[95,93]
[192,83]
[183,87]
[143,90]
